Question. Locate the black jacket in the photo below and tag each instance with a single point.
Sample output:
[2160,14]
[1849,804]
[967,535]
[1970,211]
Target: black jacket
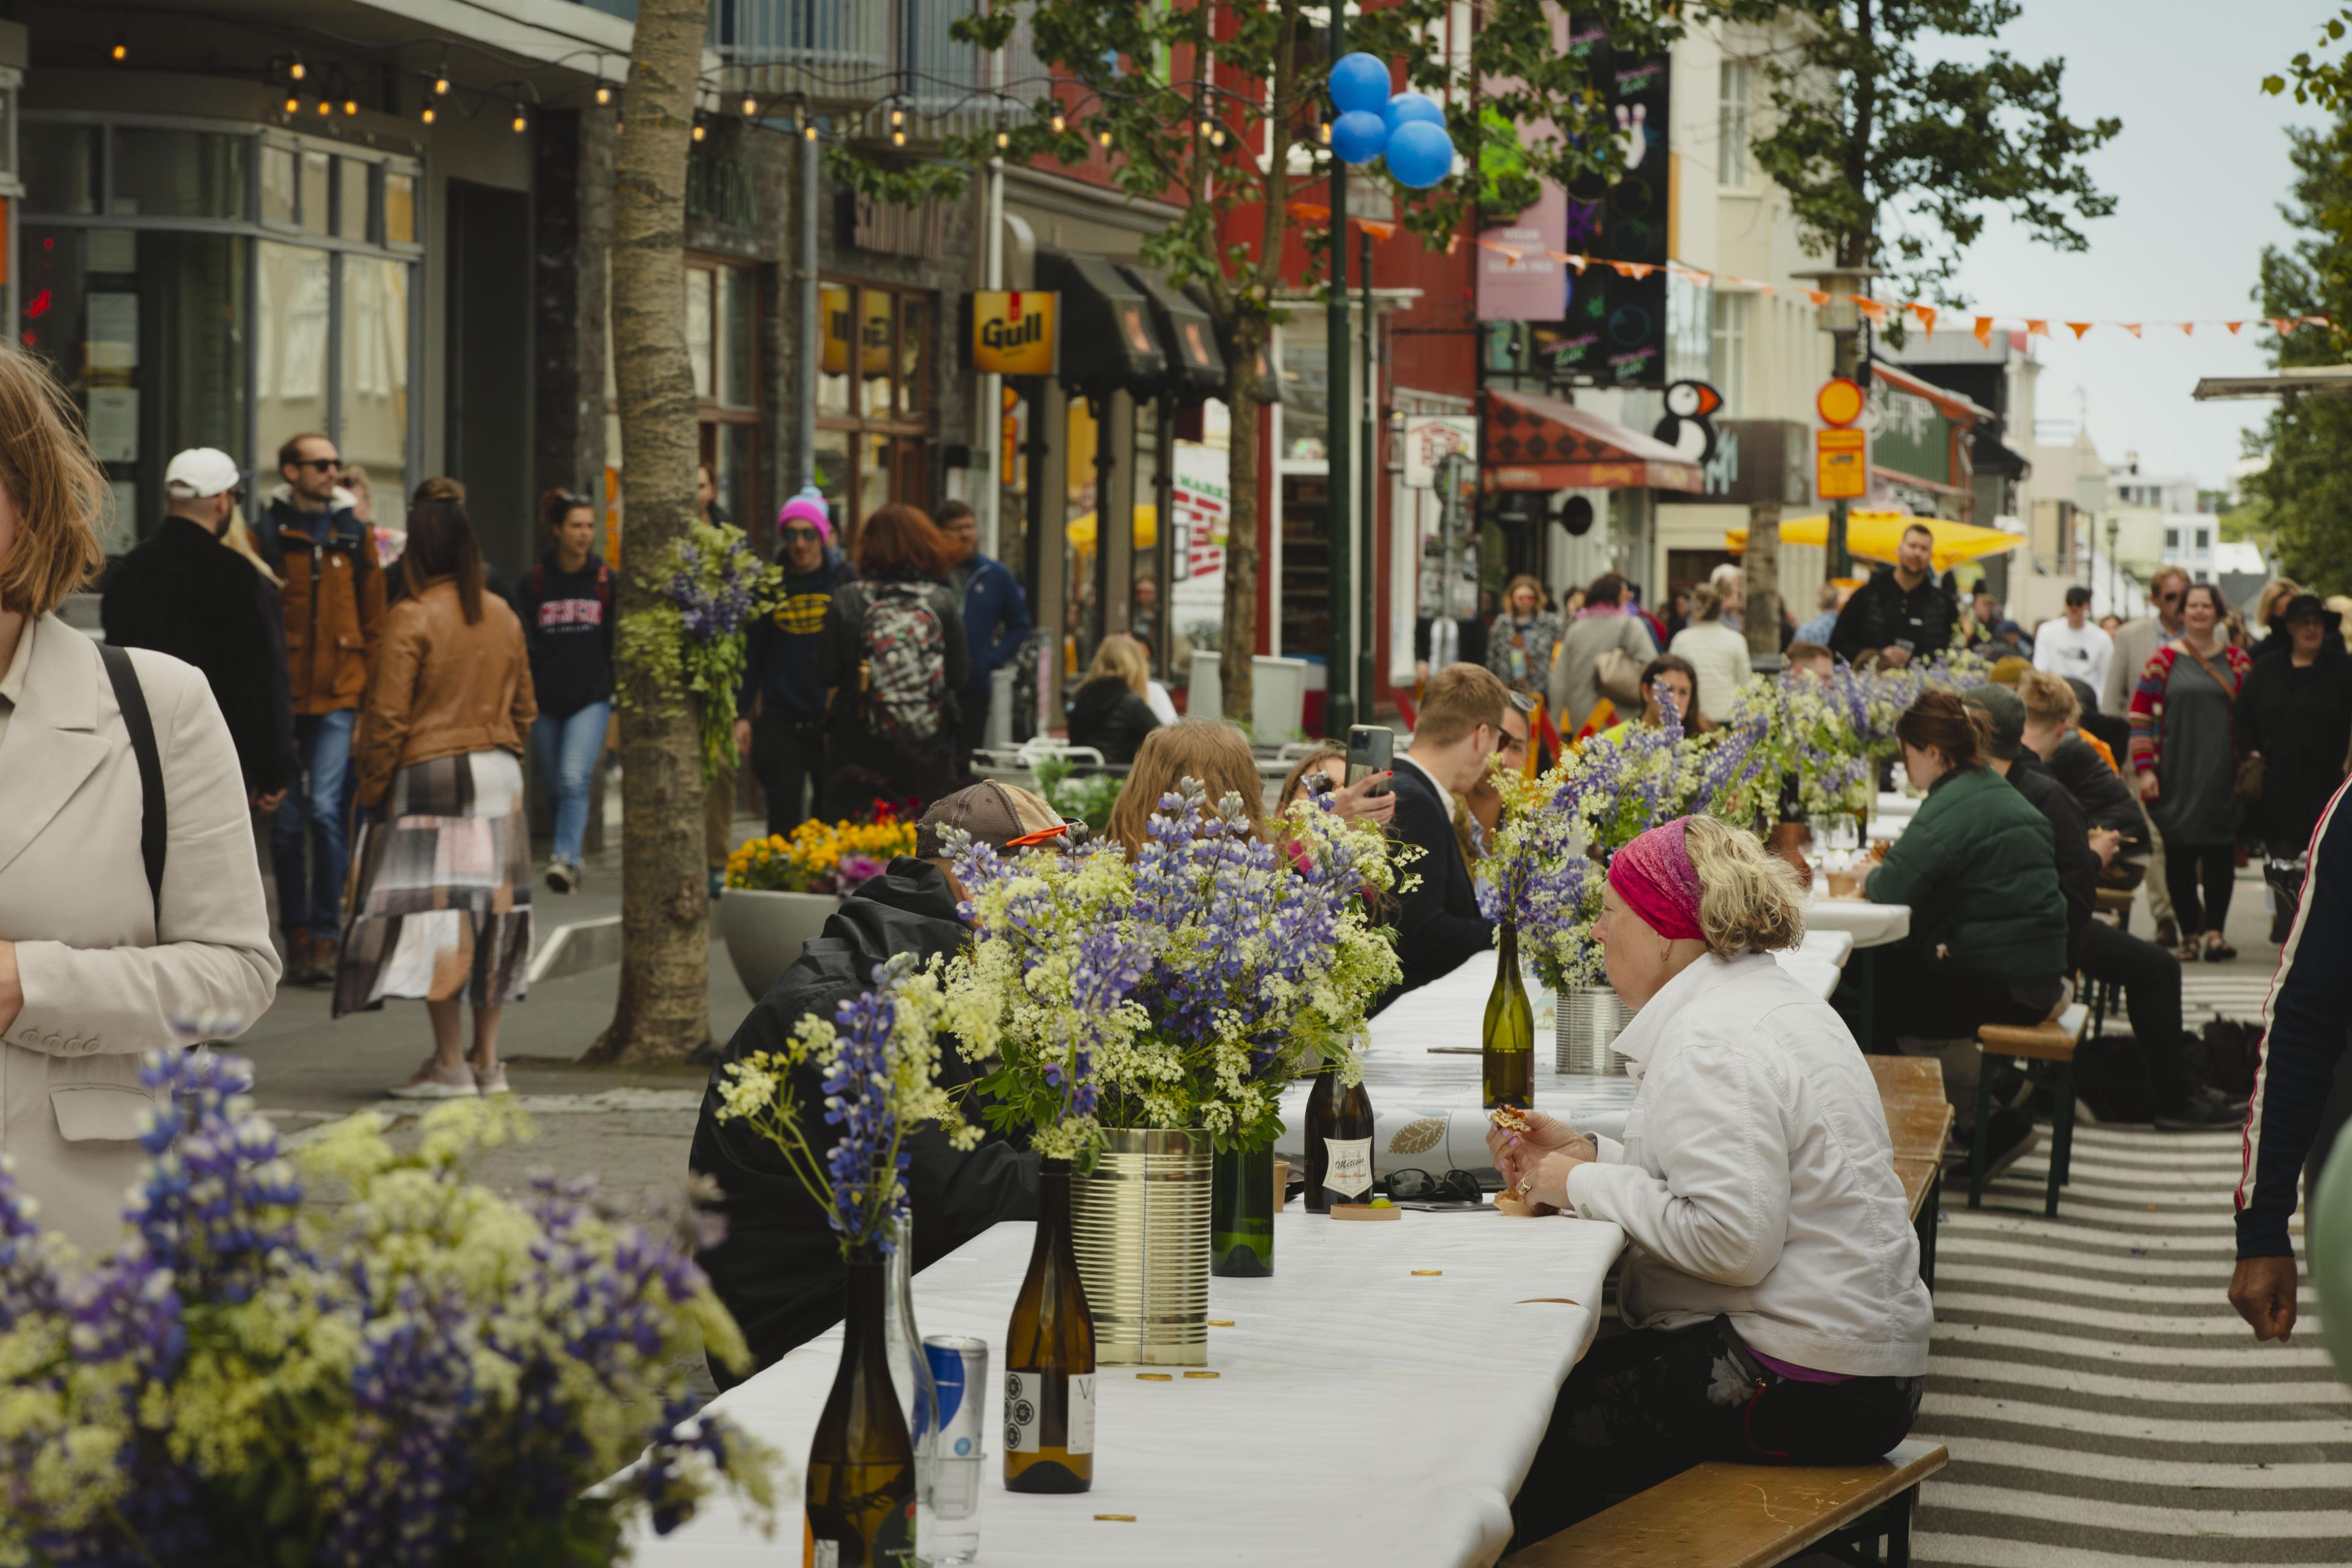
[1880,614]
[186,593]
[779,1267]
[2069,836]
[2301,721]
[1438,923]
[2098,788]
[567,623]
[1108,716]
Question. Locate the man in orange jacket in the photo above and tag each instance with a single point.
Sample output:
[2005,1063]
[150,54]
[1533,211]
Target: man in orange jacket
[334,600]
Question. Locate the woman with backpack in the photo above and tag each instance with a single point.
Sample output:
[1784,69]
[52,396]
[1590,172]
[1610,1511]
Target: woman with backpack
[566,605]
[894,657]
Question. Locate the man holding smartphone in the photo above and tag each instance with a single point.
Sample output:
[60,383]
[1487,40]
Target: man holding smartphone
[1460,726]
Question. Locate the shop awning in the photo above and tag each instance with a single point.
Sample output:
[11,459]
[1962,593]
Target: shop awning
[1875,535]
[1080,531]
[1537,443]
[1108,341]
[1196,365]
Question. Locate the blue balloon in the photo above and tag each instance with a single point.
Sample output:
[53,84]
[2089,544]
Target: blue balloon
[1357,137]
[1359,82]
[1407,107]
[1420,154]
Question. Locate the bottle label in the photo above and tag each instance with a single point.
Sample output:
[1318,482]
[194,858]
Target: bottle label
[1349,1172]
[1025,1412]
[823,1554]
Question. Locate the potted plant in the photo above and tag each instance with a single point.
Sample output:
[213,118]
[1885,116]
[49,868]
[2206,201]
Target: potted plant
[781,891]
[429,1373]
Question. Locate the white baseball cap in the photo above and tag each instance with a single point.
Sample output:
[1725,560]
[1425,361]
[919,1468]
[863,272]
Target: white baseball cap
[201,471]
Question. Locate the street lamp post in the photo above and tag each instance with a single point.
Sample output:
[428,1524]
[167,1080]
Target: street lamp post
[1841,318]
[1339,661]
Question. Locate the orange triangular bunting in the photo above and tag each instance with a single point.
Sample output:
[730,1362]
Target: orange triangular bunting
[2188,329]
[2131,327]
[1874,309]
[2034,329]
[1818,296]
[1984,331]
[2077,328]
[2283,325]
[2233,327]
[1926,315]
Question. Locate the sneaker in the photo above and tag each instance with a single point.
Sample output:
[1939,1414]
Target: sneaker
[2205,1110]
[432,1082]
[492,1080]
[321,970]
[563,876]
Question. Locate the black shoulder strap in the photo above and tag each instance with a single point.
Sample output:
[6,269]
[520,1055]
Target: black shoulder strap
[154,826]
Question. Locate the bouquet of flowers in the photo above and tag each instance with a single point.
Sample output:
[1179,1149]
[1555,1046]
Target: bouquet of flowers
[821,857]
[1186,990]
[878,1064]
[430,1374]
[712,586]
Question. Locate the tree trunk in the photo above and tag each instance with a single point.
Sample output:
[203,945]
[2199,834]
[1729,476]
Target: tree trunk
[1235,673]
[664,1010]
[1760,568]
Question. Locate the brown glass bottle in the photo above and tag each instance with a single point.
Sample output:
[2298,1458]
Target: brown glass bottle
[1339,1162]
[861,1465]
[1321,1100]
[1049,1358]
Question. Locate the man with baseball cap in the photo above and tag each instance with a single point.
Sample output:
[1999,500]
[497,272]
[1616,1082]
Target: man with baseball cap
[185,592]
[778,1269]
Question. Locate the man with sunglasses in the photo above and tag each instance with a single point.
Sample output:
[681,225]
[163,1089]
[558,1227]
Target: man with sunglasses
[2135,643]
[334,608]
[785,738]
[1478,815]
[184,592]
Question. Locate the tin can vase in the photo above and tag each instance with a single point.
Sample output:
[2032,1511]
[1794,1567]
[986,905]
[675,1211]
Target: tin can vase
[1590,1018]
[1139,1225]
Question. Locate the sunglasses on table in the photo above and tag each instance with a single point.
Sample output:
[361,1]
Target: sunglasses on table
[1454,1187]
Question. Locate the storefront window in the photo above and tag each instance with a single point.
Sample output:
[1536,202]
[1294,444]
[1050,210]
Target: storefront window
[279,185]
[61,169]
[834,304]
[885,422]
[914,336]
[1305,396]
[290,362]
[318,172]
[699,284]
[722,341]
[877,352]
[178,174]
[375,369]
[738,302]
[399,208]
[353,197]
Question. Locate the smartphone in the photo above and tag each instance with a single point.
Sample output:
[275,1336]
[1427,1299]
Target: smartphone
[1369,748]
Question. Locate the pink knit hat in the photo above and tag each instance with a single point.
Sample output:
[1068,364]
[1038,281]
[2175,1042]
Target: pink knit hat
[808,507]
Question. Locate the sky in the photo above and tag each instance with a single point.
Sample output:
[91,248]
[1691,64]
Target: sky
[2198,171]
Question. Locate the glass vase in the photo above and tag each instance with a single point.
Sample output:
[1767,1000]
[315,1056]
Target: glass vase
[1241,1213]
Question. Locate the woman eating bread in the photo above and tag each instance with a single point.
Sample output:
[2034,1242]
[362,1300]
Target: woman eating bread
[1771,1296]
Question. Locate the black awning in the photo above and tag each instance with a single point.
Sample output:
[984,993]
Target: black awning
[1269,385]
[1196,366]
[1108,341]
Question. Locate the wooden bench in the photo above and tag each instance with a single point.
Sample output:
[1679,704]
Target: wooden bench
[1718,1515]
[1919,1122]
[2046,1053]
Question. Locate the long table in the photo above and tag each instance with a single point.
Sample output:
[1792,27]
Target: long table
[1362,1413]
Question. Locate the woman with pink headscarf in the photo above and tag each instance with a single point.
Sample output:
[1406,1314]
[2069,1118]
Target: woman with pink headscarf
[1771,1294]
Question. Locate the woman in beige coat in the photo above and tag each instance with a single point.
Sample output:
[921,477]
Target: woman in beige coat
[96,966]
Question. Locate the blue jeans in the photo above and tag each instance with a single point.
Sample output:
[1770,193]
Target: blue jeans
[565,752]
[324,743]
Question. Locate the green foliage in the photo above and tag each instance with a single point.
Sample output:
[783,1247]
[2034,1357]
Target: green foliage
[1895,165]
[1087,800]
[2305,492]
[2318,80]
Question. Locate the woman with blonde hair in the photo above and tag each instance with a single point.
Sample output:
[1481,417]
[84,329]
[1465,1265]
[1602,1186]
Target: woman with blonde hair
[1718,654]
[1773,1293]
[127,915]
[1208,750]
[2269,604]
[1111,710]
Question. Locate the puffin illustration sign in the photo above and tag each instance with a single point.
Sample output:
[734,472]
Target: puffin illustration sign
[1012,331]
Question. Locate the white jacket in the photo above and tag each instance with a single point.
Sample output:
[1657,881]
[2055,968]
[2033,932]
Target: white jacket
[1757,1177]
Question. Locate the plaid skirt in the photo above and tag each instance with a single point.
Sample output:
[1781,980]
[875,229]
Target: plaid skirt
[440,893]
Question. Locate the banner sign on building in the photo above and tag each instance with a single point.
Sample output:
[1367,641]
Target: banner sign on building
[1615,332]
[1012,331]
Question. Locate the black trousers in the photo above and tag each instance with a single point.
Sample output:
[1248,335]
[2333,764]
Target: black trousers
[1645,1405]
[788,755]
[2150,977]
[2186,865]
[1935,1001]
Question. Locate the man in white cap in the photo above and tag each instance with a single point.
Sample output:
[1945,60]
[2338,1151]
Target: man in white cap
[185,592]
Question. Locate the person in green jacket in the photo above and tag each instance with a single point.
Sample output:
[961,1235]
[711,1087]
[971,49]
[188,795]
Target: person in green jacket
[1988,941]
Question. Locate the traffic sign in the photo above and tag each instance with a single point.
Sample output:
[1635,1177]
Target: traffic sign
[1839,403]
[1841,463]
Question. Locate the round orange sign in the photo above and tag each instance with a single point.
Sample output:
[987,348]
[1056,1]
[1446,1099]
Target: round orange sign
[1839,402]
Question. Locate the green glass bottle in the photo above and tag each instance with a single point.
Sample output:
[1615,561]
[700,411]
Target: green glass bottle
[861,1465]
[1242,1201]
[1507,1053]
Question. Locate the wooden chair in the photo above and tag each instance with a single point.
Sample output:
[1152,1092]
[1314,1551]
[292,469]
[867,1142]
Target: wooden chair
[1718,1515]
[2046,1053]
[2106,996]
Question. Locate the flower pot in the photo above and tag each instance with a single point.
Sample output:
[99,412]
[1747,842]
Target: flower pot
[1590,1019]
[764,932]
[1241,1208]
[1139,1225]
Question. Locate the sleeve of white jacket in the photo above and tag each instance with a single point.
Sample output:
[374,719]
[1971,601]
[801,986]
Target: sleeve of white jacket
[212,962]
[1720,1211]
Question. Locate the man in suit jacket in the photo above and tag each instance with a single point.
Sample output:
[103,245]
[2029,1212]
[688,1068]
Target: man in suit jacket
[1438,922]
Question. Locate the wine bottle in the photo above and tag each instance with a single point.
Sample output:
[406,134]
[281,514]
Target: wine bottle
[1049,1358]
[1348,1147]
[1321,1101]
[1507,1049]
[861,1464]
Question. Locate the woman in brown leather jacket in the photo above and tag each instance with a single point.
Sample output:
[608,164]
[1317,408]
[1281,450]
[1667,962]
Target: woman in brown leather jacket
[440,905]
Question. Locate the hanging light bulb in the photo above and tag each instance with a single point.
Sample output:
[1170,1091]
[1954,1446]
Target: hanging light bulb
[1060,124]
[121,50]
[698,133]
[1102,136]
[297,71]
[750,107]
[427,115]
[897,117]
[603,94]
[1003,140]
[897,139]
[809,130]
[351,106]
[1217,137]
[521,123]
[325,107]
[1323,133]
[293,104]
[441,85]
[1205,128]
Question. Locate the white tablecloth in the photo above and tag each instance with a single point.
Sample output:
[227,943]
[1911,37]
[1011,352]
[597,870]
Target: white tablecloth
[1870,925]
[1361,1414]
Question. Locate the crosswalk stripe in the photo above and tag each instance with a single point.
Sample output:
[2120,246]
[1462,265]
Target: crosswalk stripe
[2216,1326]
[2110,1351]
[2153,1389]
[2223,1437]
[2197,1263]
[2049,1460]
[2143,1519]
[1990,1551]
[2203,1295]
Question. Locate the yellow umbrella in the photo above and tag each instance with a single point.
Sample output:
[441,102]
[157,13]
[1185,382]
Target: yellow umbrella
[1081,531]
[1875,536]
